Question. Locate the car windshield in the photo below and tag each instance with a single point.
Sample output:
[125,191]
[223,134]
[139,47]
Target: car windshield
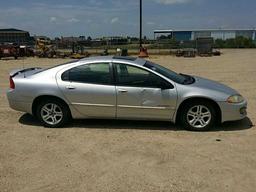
[178,78]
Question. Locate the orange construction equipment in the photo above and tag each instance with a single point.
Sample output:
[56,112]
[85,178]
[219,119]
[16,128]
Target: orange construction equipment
[143,52]
[44,48]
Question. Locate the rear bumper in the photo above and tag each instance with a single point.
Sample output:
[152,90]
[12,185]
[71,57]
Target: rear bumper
[233,112]
[18,105]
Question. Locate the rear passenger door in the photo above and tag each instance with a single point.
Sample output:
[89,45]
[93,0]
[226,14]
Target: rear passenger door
[142,94]
[89,88]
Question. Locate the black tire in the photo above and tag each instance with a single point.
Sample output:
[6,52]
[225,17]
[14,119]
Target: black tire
[187,119]
[60,121]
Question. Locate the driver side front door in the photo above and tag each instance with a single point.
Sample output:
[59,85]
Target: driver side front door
[143,95]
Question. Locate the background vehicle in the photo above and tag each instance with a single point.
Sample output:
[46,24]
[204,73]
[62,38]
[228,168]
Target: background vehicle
[44,48]
[122,88]
[9,50]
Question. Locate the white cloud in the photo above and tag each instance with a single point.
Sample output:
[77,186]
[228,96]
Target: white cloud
[73,20]
[151,23]
[169,2]
[114,20]
[53,19]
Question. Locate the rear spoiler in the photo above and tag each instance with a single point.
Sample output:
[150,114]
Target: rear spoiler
[18,71]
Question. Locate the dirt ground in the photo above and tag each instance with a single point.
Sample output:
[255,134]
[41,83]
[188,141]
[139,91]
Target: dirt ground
[108,155]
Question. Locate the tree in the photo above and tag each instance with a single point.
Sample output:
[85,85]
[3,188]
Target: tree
[219,43]
[238,42]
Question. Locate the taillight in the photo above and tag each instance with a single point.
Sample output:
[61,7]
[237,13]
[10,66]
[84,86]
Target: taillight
[12,85]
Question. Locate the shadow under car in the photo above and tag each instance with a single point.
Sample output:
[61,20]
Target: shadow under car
[30,120]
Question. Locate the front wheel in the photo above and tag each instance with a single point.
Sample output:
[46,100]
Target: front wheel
[198,116]
[52,113]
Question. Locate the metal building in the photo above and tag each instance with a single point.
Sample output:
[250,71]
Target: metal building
[185,35]
[15,36]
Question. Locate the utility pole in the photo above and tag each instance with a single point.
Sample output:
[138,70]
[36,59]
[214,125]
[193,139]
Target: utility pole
[143,51]
[140,24]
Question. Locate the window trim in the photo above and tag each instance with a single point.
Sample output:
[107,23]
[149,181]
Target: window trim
[114,64]
[112,81]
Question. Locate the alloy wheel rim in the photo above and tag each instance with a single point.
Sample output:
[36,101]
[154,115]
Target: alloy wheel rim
[199,116]
[51,114]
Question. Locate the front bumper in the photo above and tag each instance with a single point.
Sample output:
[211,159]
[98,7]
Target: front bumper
[232,111]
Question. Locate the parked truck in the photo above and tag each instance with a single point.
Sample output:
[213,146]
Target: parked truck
[204,46]
[9,50]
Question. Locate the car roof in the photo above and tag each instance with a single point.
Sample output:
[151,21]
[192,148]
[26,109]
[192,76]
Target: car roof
[132,60]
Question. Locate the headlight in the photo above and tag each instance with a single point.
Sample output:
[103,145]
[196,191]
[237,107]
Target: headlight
[235,99]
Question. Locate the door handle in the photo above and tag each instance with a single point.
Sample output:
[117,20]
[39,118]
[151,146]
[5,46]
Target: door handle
[122,91]
[70,87]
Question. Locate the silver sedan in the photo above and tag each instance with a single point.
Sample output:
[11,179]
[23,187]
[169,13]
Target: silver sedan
[122,88]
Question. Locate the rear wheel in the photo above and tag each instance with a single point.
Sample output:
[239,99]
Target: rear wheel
[198,116]
[52,113]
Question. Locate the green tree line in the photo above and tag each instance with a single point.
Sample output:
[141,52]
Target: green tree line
[238,42]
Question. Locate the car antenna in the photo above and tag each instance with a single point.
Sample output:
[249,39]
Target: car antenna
[23,65]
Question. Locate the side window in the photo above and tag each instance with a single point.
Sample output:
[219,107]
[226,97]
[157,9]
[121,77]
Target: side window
[128,75]
[98,73]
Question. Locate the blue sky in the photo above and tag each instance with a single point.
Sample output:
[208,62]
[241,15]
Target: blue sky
[120,17]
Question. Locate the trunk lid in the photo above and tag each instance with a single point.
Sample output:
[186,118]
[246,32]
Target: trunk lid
[25,72]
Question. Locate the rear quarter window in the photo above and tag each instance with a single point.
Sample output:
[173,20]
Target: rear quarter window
[90,73]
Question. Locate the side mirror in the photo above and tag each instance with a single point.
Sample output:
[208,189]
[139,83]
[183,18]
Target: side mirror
[166,85]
